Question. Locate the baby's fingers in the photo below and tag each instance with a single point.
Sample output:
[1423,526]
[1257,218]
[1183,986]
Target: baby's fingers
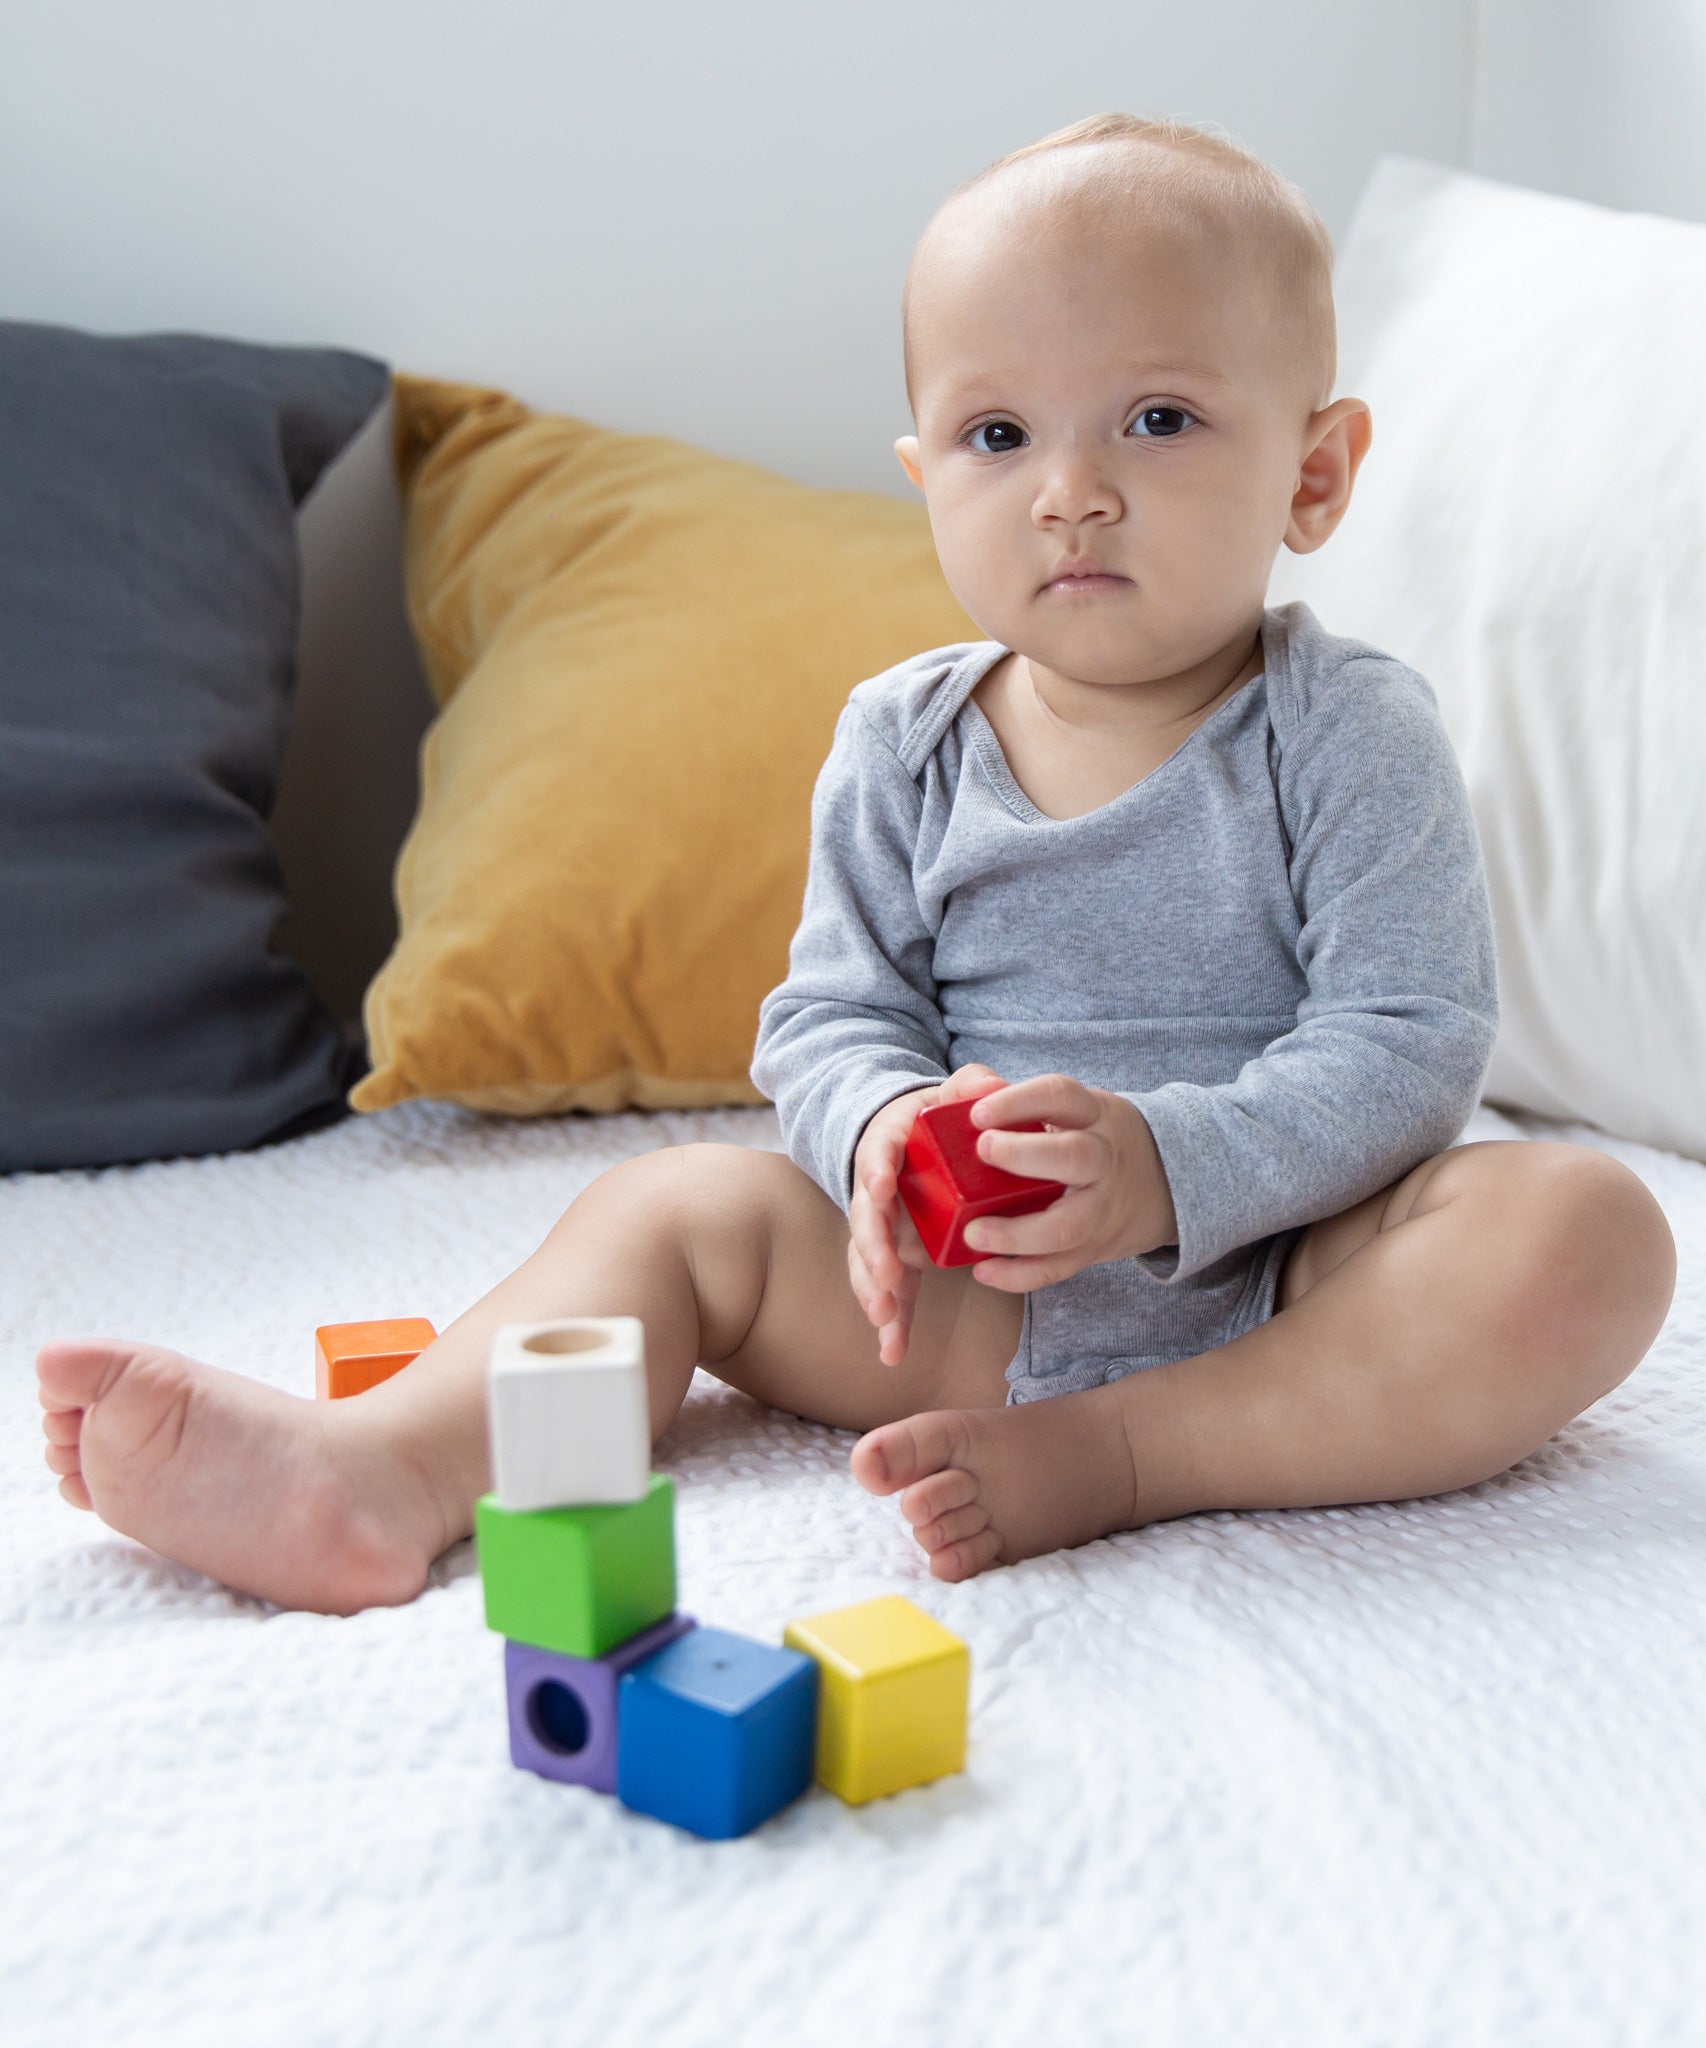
[894,1329]
[1019,1253]
[884,1174]
[890,1311]
[877,1302]
[868,1217]
[973,1080]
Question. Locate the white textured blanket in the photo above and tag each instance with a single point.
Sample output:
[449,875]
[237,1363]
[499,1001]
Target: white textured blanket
[1431,1772]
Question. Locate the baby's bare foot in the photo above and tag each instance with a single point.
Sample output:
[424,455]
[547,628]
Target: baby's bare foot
[266,1492]
[985,1486]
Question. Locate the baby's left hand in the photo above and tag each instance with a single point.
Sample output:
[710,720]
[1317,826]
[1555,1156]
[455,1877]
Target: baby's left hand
[1117,1202]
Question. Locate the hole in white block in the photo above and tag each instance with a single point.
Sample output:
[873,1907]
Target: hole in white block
[556,1342]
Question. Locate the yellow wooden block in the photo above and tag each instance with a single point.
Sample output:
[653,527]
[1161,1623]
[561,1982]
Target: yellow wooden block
[892,1690]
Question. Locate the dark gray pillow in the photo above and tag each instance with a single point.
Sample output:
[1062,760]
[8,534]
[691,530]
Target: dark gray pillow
[149,589]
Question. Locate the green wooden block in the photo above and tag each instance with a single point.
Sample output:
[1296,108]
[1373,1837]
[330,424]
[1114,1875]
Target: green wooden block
[578,1580]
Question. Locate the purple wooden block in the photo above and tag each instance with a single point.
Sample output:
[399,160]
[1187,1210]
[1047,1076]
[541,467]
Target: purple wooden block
[562,1710]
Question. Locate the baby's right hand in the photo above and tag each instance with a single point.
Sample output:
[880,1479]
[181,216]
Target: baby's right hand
[885,1256]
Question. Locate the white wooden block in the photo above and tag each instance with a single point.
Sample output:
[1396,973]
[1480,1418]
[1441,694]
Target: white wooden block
[570,1423]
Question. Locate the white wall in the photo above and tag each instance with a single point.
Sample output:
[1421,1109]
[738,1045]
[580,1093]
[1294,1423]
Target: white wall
[1598,99]
[682,218]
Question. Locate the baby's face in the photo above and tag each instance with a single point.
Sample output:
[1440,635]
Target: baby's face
[1142,416]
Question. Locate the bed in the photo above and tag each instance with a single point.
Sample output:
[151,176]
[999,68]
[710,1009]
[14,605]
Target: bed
[1426,1772]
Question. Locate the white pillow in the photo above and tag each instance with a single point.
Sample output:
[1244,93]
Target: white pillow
[1529,531]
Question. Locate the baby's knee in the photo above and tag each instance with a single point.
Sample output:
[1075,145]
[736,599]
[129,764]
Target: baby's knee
[735,1185]
[733,1209]
[722,1203]
[1616,1235]
[1603,1260]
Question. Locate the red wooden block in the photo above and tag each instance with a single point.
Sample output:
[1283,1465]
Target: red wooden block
[944,1184]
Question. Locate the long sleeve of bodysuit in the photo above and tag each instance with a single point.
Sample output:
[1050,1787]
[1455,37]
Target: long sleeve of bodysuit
[1393,1037]
[856,1022]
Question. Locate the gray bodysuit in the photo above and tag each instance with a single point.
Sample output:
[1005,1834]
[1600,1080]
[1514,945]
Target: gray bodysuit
[1277,945]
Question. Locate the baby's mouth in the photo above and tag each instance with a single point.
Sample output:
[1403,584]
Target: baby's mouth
[1072,586]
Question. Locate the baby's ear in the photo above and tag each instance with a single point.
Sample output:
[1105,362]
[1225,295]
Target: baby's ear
[1338,438]
[907,449]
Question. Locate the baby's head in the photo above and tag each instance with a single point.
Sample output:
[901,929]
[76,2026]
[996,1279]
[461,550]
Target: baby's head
[1119,345]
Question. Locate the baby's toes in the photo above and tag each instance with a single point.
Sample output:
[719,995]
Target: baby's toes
[74,1373]
[73,1488]
[953,1487]
[965,1559]
[954,1527]
[63,1459]
[62,1425]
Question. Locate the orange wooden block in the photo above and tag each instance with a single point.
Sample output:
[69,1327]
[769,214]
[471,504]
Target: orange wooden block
[351,1357]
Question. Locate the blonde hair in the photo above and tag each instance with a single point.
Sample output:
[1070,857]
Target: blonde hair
[1181,176]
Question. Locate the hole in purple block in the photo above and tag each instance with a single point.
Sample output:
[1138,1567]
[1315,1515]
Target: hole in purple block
[557,1718]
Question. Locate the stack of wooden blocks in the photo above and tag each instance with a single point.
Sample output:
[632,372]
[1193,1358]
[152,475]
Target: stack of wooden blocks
[608,1686]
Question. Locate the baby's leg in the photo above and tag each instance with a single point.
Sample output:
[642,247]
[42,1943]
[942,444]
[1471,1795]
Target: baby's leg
[730,1257]
[1424,1340]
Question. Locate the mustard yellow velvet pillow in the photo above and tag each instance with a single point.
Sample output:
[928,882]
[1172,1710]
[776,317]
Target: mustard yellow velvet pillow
[640,650]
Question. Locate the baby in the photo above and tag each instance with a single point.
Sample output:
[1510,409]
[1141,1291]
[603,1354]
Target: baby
[1191,881]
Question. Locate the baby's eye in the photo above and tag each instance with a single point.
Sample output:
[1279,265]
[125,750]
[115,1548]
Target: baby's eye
[993,427]
[1161,422]
[1154,423]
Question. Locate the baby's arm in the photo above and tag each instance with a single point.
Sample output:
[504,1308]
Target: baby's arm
[855,1023]
[1392,1041]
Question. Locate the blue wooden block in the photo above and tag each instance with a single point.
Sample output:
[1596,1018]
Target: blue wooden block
[716,1732]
